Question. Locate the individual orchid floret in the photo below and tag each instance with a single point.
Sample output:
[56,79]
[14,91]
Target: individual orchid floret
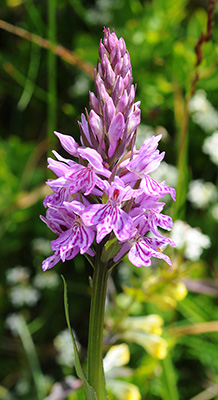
[73,235]
[148,158]
[156,219]
[75,177]
[149,210]
[68,143]
[145,161]
[110,216]
[57,198]
[140,249]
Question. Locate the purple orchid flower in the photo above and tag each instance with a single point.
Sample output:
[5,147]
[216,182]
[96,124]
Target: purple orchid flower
[74,236]
[110,216]
[105,185]
[140,250]
[78,177]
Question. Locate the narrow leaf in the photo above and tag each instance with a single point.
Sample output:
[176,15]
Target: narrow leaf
[90,393]
[169,387]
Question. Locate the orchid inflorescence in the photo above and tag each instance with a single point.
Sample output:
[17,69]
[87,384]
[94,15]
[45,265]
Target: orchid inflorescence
[105,187]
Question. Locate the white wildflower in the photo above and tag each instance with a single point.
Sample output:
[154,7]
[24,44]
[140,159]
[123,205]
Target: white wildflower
[201,193]
[64,346]
[46,281]
[166,172]
[17,275]
[124,390]
[23,295]
[214,211]
[210,147]
[143,132]
[42,246]
[14,322]
[117,356]
[203,113]
[191,240]
[81,85]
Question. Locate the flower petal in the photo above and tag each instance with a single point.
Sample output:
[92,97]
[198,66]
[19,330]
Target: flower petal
[51,261]
[68,143]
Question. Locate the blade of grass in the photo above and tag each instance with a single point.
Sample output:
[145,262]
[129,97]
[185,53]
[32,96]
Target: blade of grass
[207,394]
[193,313]
[30,350]
[21,80]
[59,50]
[31,78]
[79,9]
[168,378]
[29,87]
[195,329]
[51,71]
[35,16]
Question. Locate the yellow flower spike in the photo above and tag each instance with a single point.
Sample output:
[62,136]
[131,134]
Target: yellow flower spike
[151,323]
[14,3]
[155,345]
[163,301]
[124,390]
[179,291]
[116,357]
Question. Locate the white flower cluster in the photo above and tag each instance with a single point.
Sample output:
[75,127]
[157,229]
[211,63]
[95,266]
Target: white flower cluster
[42,246]
[21,292]
[210,147]
[64,346]
[191,240]
[14,322]
[23,295]
[214,211]
[17,274]
[46,281]
[201,193]
[166,172]
[203,113]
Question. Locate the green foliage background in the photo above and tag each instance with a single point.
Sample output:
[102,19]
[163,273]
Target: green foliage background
[39,93]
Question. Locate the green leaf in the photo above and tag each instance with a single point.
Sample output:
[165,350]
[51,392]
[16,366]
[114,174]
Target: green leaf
[90,393]
[169,387]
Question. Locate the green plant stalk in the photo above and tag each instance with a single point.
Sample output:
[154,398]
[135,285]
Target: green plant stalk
[95,373]
[168,378]
[52,66]
[182,185]
[30,350]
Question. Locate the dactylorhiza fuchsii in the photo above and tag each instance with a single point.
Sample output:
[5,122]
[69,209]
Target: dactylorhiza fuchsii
[103,192]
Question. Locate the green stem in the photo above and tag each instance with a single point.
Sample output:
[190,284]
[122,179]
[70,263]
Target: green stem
[95,373]
[52,86]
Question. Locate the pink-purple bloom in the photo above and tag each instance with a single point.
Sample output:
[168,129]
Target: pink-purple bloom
[104,190]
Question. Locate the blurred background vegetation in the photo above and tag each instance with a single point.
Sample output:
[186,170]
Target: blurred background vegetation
[48,52]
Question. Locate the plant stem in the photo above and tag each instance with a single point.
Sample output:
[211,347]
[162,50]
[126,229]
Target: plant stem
[59,50]
[95,373]
[52,64]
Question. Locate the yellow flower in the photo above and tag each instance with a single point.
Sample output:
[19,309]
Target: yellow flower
[151,323]
[178,291]
[14,3]
[116,357]
[124,390]
[155,345]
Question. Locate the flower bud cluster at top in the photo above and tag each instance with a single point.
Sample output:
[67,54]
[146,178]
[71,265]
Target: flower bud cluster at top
[104,190]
